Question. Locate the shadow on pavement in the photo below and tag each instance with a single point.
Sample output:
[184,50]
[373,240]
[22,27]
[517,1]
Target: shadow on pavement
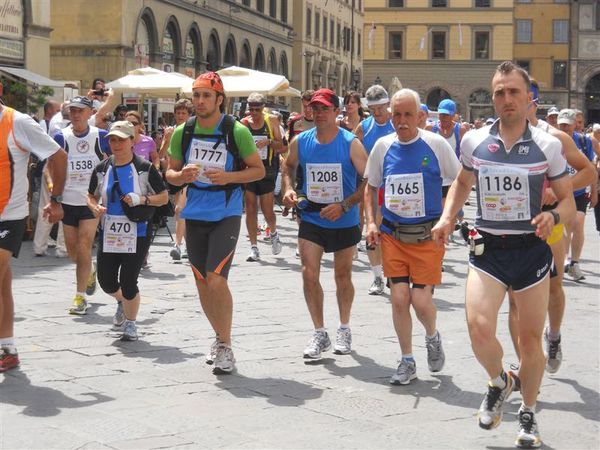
[161,354]
[16,389]
[587,408]
[277,391]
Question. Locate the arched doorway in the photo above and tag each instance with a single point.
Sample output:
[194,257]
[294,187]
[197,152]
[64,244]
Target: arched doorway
[246,58]
[259,59]
[230,53]
[592,99]
[435,96]
[480,105]
[213,55]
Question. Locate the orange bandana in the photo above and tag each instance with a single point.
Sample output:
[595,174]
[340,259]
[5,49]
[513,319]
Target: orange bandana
[210,80]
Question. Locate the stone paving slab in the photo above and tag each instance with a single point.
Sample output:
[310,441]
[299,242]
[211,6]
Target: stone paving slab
[79,387]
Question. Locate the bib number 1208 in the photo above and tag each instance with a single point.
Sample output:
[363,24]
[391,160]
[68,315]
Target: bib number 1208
[319,176]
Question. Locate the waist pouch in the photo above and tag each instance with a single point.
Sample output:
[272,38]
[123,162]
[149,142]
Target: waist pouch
[509,241]
[410,234]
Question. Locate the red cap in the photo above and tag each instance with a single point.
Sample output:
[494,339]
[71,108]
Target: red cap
[325,97]
[210,80]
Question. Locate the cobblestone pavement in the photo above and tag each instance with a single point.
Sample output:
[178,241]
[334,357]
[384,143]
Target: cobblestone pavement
[79,387]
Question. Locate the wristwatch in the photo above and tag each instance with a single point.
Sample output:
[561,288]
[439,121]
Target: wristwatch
[56,198]
[556,216]
[146,200]
[345,206]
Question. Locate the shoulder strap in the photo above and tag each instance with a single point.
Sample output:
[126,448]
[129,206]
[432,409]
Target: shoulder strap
[186,139]
[457,138]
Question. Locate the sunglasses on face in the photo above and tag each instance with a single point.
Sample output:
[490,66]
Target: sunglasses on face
[253,109]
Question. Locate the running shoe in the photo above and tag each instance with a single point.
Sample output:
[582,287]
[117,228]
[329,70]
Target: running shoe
[212,353]
[8,360]
[489,415]
[553,353]
[575,272]
[61,254]
[377,287]
[267,236]
[119,317]
[224,360]
[529,435]
[175,253]
[405,373]
[91,284]
[254,254]
[130,331]
[361,247]
[318,344]
[79,306]
[435,353]
[343,341]
[275,243]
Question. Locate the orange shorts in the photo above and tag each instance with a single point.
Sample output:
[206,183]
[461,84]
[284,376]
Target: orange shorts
[421,262]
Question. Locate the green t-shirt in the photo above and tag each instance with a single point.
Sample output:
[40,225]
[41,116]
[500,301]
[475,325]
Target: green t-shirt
[241,134]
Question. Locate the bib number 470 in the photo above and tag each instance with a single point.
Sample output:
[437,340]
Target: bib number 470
[120,227]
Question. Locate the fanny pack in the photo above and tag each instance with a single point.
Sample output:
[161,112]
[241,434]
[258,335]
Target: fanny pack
[410,234]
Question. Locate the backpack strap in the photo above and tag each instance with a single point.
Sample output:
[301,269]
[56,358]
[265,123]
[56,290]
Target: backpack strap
[186,139]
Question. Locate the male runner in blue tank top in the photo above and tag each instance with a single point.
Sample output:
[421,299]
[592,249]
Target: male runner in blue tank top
[212,172]
[377,125]
[330,159]
[510,162]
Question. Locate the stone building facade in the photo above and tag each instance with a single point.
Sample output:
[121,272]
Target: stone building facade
[440,48]
[584,74]
[107,39]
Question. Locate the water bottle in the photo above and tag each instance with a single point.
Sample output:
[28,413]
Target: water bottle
[476,244]
[302,201]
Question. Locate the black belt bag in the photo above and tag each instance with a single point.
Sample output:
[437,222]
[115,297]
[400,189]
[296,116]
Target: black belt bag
[410,234]
[509,241]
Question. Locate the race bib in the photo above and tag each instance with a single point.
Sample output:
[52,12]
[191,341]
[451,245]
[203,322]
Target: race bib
[324,183]
[504,193]
[120,235]
[262,152]
[404,195]
[80,170]
[203,155]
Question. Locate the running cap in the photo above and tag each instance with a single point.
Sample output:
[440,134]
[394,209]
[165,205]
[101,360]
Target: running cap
[447,106]
[80,102]
[325,97]
[256,99]
[377,95]
[552,111]
[596,127]
[424,107]
[566,116]
[210,80]
[490,121]
[123,129]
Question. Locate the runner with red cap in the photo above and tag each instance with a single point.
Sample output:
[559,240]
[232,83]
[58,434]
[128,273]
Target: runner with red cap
[329,160]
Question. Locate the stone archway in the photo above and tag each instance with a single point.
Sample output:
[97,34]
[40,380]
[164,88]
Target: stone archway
[435,96]
[592,99]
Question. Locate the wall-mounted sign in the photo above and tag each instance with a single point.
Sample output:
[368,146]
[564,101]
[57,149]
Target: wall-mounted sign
[11,19]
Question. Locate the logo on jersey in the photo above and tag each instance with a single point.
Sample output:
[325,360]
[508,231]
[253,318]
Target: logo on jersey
[523,150]
[82,146]
[4,233]
[493,148]
[425,161]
